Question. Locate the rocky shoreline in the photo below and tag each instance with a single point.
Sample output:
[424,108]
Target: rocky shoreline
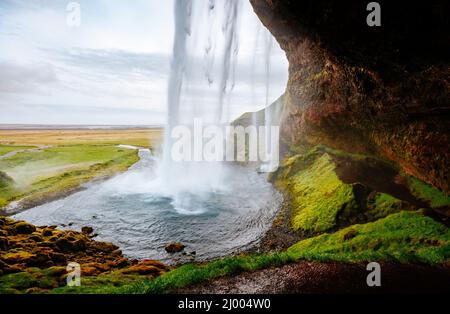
[43,253]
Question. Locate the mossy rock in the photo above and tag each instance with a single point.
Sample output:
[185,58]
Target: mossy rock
[428,193]
[329,190]
[22,227]
[318,195]
[174,247]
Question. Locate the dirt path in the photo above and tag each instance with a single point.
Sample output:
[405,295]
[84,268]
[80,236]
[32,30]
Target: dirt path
[28,150]
[315,277]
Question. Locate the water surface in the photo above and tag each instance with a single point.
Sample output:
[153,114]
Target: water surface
[141,220]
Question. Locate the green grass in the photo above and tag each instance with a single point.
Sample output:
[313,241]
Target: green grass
[4,149]
[195,273]
[34,277]
[405,237]
[383,205]
[428,193]
[39,175]
[113,282]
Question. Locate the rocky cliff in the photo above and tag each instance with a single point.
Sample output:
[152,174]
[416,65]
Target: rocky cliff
[382,90]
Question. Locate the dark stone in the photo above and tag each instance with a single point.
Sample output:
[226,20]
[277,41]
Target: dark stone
[58,258]
[47,233]
[24,228]
[87,230]
[174,247]
[39,260]
[65,245]
[4,244]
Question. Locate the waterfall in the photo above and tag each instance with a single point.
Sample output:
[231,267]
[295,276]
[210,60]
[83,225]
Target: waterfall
[270,141]
[205,49]
[182,13]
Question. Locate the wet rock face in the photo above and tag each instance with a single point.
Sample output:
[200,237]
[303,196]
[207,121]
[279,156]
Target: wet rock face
[377,90]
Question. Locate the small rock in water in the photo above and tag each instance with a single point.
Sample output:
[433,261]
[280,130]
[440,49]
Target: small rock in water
[70,224]
[87,230]
[174,247]
[94,217]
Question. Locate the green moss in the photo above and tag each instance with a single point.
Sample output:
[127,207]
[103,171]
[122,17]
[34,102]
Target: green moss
[428,193]
[113,282]
[383,205]
[401,237]
[318,195]
[17,281]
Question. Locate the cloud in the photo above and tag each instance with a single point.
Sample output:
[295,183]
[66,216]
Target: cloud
[114,61]
[25,78]
[115,65]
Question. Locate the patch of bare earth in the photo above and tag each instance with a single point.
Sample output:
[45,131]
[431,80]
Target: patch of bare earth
[316,277]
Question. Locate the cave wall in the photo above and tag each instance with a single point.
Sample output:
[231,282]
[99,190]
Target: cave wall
[375,90]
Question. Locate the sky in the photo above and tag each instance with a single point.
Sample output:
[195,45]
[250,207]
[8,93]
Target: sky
[113,68]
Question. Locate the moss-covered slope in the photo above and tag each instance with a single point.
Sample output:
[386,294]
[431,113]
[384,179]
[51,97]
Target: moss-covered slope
[329,189]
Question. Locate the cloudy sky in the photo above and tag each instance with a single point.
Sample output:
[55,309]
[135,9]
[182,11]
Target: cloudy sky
[114,67]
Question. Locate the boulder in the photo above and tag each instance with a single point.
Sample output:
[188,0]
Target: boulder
[24,228]
[87,230]
[47,232]
[4,244]
[175,247]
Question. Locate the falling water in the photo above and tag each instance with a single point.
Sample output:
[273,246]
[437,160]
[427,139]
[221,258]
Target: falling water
[206,48]
[270,141]
[220,16]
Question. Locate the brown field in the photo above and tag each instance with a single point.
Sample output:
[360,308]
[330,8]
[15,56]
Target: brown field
[137,137]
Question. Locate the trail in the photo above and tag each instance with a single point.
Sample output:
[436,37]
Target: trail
[28,150]
[316,277]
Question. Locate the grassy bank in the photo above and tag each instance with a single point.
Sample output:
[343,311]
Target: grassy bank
[404,237]
[39,175]
[73,157]
[5,149]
